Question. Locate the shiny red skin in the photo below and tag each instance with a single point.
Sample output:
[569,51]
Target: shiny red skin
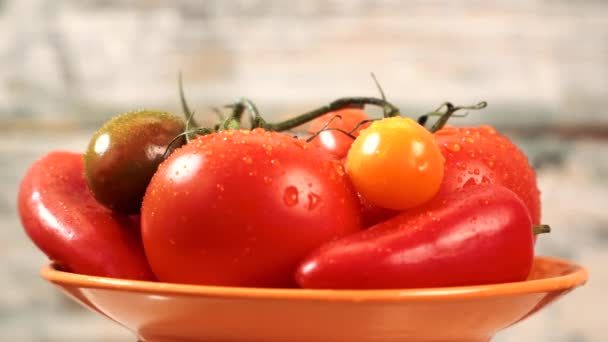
[62,218]
[478,235]
[222,209]
[476,155]
[373,214]
[337,143]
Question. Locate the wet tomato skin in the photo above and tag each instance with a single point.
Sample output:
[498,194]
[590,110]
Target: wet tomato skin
[477,235]
[62,218]
[482,155]
[242,208]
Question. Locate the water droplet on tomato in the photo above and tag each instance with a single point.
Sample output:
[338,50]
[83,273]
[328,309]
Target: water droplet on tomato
[461,165]
[275,162]
[485,180]
[459,179]
[452,146]
[472,154]
[220,187]
[267,149]
[469,182]
[468,140]
[313,200]
[339,168]
[243,141]
[476,171]
[247,160]
[290,196]
[489,130]
[300,143]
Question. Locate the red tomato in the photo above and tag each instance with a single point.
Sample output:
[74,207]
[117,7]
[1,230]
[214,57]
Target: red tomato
[477,235]
[63,219]
[476,155]
[395,164]
[373,214]
[242,208]
[337,143]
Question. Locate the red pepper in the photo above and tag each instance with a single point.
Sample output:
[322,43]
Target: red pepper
[63,219]
[481,234]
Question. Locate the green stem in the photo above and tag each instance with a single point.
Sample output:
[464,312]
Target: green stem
[256,118]
[385,109]
[185,108]
[335,105]
[541,229]
[238,109]
[451,109]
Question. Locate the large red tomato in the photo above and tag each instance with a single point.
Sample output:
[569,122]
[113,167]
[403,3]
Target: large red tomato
[481,155]
[242,208]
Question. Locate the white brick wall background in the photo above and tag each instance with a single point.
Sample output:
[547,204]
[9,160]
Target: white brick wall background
[84,60]
[66,66]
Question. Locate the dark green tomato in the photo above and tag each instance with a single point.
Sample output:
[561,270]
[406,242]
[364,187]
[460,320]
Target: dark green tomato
[125,152]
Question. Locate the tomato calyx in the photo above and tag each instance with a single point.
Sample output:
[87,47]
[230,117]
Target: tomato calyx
[450,109]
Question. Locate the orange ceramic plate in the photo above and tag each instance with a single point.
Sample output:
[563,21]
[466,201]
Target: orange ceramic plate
[173,312]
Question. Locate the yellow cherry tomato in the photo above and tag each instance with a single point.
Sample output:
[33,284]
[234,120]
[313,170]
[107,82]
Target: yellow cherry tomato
[395,164]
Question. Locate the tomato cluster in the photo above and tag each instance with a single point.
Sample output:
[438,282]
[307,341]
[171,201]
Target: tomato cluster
[353,203]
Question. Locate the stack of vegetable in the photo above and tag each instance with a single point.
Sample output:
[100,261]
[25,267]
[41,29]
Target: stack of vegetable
[354,203]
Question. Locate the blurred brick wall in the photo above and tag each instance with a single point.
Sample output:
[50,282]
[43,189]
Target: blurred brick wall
[82,61]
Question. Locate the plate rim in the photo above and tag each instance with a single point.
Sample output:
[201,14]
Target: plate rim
[577,275]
